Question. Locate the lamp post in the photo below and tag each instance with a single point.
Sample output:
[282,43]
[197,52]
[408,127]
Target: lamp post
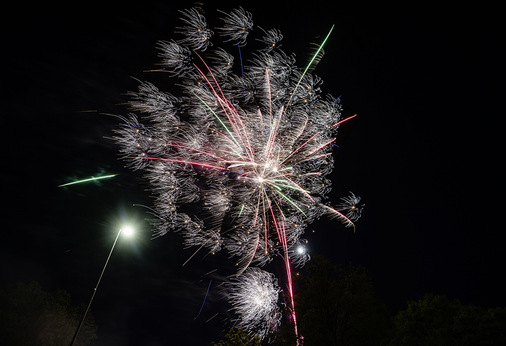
[128,231]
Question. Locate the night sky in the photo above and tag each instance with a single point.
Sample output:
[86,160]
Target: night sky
[424,154]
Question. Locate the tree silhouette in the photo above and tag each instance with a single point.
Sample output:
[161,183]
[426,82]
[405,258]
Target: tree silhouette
[436,320]
[336,305]
[31,316]
[238,337]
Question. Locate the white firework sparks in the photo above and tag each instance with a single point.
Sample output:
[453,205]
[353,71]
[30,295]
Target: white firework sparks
[254,298]
[351,206]
[246,148]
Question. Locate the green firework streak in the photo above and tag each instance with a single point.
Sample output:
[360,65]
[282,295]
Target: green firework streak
[88,180]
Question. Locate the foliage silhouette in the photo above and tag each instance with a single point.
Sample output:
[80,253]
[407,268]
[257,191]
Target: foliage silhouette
[436,320]
[238,337]
[31,316]
[336,306]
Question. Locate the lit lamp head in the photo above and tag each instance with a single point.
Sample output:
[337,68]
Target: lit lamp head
[127,231]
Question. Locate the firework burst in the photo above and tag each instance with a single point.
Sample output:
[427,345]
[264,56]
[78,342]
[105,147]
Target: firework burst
[254,297]
[239,159]
[351,206]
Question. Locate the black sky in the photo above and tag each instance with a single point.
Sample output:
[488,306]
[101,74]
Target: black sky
[423,153]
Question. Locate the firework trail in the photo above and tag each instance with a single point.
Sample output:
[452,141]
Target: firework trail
[239,158]
[92,179]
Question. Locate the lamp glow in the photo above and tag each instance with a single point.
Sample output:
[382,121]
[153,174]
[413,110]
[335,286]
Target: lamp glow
[127,231]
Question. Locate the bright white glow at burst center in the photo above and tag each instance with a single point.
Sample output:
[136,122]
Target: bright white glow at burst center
[301,249]
[260,180]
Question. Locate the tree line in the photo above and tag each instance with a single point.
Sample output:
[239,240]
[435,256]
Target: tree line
[337,305]
[29,315]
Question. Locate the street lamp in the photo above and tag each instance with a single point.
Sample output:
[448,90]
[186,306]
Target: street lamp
[127,231]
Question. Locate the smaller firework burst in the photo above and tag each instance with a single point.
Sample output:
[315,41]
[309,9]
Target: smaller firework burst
[351,206]
[254,297]
[237,25]
[197,35]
